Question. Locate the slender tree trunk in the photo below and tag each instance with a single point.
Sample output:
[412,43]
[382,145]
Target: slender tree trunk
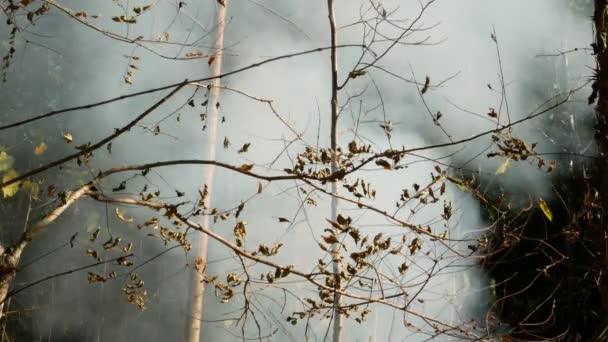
[337,316]
[600,19]
[198,287]
[8,271]
[10,258]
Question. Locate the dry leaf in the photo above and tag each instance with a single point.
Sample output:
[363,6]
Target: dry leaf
[492,113]
[245,148]
[331,239]
[68,138]
[246,167]
[385,164]
[425,87]
[121,216]
[503,167]
[40,149]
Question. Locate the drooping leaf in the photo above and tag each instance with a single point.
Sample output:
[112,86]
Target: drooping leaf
[425,87]
[239,209]
[544,207]
[503,167]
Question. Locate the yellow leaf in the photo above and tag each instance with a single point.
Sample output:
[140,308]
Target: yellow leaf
[503,167]
[10,190]
[459,183]
[40,149]
[545,209]
[246,167]
[121,216]
[68,138]
[6,161]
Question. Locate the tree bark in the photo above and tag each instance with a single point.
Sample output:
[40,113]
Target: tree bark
[337,316]
[600,20]
[193,332]
[11,257]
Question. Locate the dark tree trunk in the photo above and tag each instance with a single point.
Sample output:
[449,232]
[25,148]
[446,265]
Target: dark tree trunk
[600,20]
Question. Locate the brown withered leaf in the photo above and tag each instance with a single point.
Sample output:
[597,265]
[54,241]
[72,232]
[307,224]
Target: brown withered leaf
[334,224]
[244,148]
[246,167]
[492,113]
[356,73]
[425,87]
[331,239]
[239,209]
[385,164]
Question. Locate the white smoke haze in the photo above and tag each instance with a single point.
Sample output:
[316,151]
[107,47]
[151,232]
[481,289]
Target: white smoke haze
[300,90]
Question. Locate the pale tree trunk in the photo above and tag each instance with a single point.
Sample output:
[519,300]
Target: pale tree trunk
[11,257]
[193,332]
[337,316]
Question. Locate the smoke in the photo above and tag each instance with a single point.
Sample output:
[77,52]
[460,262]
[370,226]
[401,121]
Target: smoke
[81,68]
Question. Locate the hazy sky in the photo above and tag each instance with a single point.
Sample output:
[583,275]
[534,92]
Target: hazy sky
[92,67]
